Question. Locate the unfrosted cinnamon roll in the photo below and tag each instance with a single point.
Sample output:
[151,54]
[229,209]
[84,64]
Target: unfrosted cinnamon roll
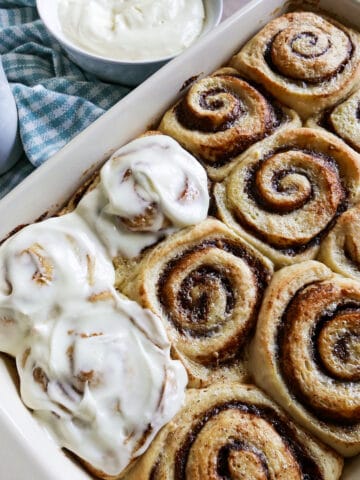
[207,284]
[340,250]
[342,120]
[233,431]
[306,60]
[306,351]
[285,193]
[221,116]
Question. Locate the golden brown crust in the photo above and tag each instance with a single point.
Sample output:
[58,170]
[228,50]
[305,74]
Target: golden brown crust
[306,60]
[234,431]
[305,353]
[207,284]
[221,116]
[284,194]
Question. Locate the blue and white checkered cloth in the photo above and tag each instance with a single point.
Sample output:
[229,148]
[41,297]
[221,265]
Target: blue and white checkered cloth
[54,97]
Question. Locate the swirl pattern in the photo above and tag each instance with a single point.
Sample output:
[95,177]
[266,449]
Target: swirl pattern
[340,250]
[307,61]
[207,284]
[308,346]
[285,193]
[234,432]
[221,116]
[343,121]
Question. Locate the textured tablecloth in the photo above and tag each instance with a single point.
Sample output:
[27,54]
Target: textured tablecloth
[55,99]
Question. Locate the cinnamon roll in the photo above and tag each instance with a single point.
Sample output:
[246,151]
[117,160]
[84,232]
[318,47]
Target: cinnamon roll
[221,116]
[285,193]
[43,266]
[233,431]
[305,60]
[342,120]
[207,284]
[101,381]
[148,189]
[340,250]
[306,351]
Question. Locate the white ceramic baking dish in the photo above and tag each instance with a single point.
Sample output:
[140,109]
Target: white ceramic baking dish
[26,452]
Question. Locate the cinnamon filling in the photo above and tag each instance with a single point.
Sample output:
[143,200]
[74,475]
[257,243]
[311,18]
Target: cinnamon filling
[305,82]
[313,40]
[318,346]
[307,465]
[284,207]
[193,301]
[227,119]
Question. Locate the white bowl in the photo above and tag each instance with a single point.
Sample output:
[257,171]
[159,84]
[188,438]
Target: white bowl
[125,72]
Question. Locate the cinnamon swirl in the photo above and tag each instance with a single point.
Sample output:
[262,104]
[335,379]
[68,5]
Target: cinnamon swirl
[207,284]
[233,431]
[306,60]
[306,351]
[285,193]
[221,116]
[342,120]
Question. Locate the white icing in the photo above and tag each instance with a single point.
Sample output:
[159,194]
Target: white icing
[44,266]
[94,366]
[109,379]
[150,172]
[132,29]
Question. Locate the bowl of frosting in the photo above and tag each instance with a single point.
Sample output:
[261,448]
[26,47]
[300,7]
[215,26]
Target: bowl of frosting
[125,41]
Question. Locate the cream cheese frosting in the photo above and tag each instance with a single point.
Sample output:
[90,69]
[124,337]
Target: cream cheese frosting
[148,189]
[44,266]
[94,366]
[132,29]
[102,380]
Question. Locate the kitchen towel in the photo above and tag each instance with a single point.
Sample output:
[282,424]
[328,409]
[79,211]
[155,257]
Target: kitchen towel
[54,97]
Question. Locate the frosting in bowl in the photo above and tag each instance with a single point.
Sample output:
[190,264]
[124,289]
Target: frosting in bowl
[132,30]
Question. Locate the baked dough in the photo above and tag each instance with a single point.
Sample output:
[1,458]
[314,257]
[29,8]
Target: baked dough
[207,284]
[307,61]
[306,351]
[221,116]
[234,431]
[285,192]
[343,120]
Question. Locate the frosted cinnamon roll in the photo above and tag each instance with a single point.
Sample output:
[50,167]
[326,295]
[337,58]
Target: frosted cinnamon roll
[207,284]
[233,431]
[305,60]
[342,120]
[285,193]
[306,351]
[340,250]
[221,116]
[101,381]
[44,265]
[147,189]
